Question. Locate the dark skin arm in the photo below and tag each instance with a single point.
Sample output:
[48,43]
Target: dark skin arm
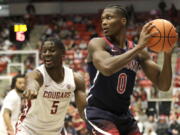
[7,120]
[160,77]
[103,60]
[80,93]
[109,65]
[34,82]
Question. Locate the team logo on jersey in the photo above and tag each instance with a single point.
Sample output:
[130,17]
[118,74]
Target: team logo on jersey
[68,86]
[56,94]
[133,65]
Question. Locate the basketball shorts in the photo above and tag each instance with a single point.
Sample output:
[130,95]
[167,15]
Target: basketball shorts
[22,130]
[101,122]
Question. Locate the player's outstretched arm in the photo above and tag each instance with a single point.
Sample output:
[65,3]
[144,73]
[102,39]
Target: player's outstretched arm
[34,81]
[160,77]
[109,65]
[80,93]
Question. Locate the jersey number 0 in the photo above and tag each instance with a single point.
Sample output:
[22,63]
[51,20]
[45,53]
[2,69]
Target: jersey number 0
[122,81]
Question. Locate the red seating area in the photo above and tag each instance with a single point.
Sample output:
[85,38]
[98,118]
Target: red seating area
[3,66]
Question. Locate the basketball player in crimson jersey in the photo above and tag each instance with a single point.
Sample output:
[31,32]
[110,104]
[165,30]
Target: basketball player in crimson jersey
[112,65]
[49,90]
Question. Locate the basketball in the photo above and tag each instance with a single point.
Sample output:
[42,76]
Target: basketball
[166,37]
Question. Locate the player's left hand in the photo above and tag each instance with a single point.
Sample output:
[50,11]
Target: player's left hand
[30,94]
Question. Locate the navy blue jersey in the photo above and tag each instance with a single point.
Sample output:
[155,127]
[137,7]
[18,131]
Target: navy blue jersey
[112,93]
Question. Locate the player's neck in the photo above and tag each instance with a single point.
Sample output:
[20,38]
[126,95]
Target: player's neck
[57,74]
[120,41]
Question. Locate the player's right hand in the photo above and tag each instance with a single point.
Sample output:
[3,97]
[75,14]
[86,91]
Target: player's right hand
[30,94]
[145,35]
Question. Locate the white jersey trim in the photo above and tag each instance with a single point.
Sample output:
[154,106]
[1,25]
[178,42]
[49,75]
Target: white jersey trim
[95,127]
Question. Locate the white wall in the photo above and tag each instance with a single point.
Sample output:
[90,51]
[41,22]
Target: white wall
[87,7]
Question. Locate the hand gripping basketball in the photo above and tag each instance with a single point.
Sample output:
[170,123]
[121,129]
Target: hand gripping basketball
[165,38]
[145,34]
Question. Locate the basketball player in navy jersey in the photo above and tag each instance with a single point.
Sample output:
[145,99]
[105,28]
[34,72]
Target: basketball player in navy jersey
[112,65]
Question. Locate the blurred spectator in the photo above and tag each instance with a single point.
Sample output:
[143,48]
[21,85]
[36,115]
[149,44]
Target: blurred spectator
[162,126]
[162,6]
[12,106]
[174,125]
[69,126]
[176,99]
[140,124]
[150,131]
[131,13]
[150,125]
[30,9]
[172,12]
[154,13]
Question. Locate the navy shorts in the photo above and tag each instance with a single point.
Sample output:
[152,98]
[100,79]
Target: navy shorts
[101,122]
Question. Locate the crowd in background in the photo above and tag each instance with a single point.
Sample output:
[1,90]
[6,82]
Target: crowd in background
[75,31]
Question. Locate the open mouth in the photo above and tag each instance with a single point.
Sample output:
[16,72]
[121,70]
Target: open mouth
[105,30]
[48,61]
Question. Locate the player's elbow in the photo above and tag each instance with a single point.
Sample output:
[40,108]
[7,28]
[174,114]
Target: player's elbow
[107,71]
[5,114]
[165,88]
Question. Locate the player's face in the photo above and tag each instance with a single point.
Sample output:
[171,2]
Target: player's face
[111,22]
[51,54]
[20,84]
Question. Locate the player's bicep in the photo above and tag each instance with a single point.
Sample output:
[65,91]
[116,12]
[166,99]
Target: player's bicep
[80,84]
[7,112]
[99,58]
[34,78]
[98,54]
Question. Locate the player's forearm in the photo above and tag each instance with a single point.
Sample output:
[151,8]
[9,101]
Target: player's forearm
[32,89]
[7,121]
[114,64]
[80,100]
[165,77]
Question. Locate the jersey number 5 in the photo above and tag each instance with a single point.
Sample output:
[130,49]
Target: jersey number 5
[54,107]
[122,81]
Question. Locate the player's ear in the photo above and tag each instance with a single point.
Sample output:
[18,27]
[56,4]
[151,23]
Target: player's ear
[124,21]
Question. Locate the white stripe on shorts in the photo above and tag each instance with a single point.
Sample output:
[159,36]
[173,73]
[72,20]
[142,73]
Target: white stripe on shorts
[95,127]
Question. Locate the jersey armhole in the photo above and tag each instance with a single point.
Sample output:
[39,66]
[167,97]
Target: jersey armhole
[108,42]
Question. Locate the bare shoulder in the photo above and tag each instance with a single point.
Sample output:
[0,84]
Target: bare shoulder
[35,75]
[95,44]
[79,81]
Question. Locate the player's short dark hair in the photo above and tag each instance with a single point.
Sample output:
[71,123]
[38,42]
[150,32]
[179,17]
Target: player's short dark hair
[120,10]
[57,42]
[14,79]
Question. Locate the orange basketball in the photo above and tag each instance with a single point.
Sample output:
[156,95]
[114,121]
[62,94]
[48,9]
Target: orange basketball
[166,37]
